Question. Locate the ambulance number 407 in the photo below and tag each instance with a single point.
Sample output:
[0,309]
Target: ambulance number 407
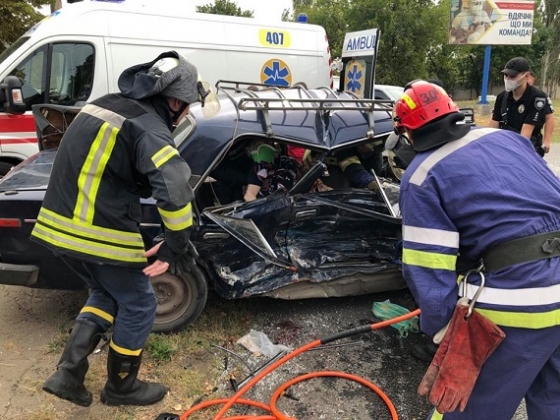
[274,38]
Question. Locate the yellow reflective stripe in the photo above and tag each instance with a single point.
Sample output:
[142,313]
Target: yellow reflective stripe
[349,161]
[126,352]
[177,220]
[433,260]
[163,155]
[101,314]
[533,321]
[92,170]
[436,416]
[71,243]
[80,228]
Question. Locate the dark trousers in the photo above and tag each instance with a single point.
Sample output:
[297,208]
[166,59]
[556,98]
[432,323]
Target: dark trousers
[525,365]
[119,295]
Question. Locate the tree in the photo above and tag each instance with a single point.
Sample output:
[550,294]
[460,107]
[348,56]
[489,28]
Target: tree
[224,7]
[330,14]
[17,16]
[551,60]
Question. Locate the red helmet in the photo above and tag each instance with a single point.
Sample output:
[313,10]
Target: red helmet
[421,103]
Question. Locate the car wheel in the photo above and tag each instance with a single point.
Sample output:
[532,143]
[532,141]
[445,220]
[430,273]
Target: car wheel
[5,168]
[180,300]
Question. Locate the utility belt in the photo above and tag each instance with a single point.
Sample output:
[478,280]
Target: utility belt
[517,251]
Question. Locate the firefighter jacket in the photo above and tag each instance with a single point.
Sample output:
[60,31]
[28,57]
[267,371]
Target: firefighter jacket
[478,191]
[115,151]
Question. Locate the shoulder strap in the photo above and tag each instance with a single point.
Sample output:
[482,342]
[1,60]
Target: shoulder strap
[504,110]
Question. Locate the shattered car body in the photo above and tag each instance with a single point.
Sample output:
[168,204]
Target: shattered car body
[293,245]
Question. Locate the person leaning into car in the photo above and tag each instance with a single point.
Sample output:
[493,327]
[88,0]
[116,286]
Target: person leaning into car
[521,107]
[118,149]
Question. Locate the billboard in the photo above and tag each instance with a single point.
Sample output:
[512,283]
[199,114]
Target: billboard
[491,22]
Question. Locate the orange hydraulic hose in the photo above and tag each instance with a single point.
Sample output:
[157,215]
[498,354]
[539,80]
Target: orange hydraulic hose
[276,415]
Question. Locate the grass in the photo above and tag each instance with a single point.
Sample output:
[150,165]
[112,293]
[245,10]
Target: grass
[483,120]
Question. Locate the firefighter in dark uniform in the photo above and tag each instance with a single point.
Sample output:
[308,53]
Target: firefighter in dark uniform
[521,107]
[118,149]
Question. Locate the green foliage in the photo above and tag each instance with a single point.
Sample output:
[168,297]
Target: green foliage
[224,7]
[17,16]
[330,14]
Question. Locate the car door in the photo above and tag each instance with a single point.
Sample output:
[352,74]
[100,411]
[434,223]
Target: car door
[243,246]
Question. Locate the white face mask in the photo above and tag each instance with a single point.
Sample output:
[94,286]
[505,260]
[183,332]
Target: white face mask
[512,84]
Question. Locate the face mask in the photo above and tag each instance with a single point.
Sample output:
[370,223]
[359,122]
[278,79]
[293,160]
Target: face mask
[512,84]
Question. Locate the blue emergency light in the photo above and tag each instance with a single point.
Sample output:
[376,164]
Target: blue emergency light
[302,18]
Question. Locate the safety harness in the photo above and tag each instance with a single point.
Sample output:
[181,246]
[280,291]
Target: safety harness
[517,251]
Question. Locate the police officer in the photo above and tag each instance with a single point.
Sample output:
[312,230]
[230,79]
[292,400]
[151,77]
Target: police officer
[549,118]
[456,200]
[118,149]
[521,107]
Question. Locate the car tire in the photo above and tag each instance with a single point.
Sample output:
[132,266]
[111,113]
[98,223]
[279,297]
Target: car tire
[180,300]
[5,168]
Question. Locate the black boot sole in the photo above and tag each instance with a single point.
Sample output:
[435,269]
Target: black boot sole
[129,401]
[56,388]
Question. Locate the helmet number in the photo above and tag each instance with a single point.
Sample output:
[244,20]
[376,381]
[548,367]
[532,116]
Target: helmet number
[430,96]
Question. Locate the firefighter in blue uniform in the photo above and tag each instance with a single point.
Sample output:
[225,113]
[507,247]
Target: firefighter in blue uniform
[459,197]
[118,149]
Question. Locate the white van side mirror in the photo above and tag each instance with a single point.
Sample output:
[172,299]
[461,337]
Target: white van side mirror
[11,96]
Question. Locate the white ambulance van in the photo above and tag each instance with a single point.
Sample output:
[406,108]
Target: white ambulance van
[77,54]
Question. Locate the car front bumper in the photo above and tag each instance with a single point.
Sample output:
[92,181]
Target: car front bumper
[18,275]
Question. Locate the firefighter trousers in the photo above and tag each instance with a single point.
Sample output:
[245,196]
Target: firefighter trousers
[119,296]
[525,365]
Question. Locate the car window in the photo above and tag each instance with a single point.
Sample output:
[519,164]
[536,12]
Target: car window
[395,92]
[379,94]
[70,75]
[30,72]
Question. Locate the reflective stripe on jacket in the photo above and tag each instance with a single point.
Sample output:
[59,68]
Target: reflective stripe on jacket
[465,196]
[113,150]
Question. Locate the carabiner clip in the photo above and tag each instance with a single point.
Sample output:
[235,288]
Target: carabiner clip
[478,292]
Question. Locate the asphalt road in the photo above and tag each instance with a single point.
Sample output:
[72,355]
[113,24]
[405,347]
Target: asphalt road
[29,319]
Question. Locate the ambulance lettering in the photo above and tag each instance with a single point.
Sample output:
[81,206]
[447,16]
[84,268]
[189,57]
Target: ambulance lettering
[274,38]
[276,73]
[361,43]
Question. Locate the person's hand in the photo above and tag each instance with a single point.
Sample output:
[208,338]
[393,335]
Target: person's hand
[158,267]
[546,148]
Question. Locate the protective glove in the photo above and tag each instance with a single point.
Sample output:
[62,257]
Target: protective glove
[468,343]
[179,263]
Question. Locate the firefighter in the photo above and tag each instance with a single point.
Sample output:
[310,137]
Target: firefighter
[118,149]
[459,197]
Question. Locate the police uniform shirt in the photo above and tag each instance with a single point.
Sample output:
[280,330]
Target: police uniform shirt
[531,109]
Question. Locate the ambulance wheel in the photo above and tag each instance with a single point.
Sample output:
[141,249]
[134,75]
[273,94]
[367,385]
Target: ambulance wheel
[5,168]
[180,300]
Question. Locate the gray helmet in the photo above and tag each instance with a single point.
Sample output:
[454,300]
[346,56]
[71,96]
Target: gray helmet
[168,75]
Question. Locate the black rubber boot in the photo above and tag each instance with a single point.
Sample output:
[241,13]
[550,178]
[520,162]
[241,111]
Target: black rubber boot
[421,347]
[123,386]
[68,380]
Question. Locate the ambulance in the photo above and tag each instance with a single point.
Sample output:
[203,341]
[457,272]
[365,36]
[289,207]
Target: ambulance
[77,54]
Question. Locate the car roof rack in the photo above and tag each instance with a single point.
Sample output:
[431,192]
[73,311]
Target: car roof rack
[309,103]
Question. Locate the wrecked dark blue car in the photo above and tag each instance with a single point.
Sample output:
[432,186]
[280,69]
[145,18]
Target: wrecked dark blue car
[294,245]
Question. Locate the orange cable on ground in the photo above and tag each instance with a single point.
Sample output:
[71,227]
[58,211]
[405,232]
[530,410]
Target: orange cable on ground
[274,413]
